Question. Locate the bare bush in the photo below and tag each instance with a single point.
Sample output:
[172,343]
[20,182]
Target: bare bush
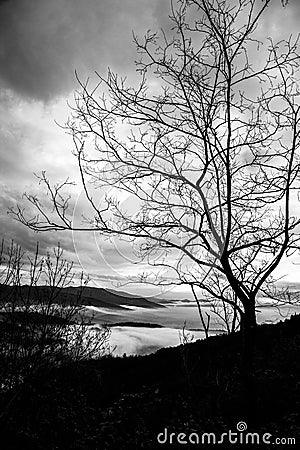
[41,325]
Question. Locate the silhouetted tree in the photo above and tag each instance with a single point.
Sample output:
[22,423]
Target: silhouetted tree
[207,145]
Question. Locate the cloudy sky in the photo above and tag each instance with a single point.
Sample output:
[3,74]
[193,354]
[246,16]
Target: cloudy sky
[42,43]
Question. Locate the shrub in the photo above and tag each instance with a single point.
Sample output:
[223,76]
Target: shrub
[41,323]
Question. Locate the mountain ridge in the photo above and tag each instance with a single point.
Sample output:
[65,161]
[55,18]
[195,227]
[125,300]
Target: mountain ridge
[87,296]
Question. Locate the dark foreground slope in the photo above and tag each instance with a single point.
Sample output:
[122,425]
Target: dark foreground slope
[123,403]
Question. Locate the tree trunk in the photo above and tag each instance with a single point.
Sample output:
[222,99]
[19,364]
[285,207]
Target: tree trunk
[248,327]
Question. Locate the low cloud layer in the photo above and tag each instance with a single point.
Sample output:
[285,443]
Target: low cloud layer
[142,341]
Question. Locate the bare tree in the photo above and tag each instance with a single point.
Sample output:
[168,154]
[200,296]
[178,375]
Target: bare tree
[207,145]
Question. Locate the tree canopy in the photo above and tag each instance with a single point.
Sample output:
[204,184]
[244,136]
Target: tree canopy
[207,145]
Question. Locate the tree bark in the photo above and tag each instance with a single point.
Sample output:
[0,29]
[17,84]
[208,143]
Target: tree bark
[248,323]
[248,328]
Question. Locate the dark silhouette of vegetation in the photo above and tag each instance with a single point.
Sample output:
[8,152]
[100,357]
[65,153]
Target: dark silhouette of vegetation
[123,403]
[37,331]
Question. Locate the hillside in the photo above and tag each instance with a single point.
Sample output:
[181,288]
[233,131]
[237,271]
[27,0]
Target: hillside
[91,296]
[99,295]
[124,403]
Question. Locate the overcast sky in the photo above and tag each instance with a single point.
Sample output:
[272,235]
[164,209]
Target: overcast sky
[42,43]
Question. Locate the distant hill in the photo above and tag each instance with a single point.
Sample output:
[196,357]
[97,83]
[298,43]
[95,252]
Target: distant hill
[96,296]
[136,324]
[91,296]
[154,299]
[292,285]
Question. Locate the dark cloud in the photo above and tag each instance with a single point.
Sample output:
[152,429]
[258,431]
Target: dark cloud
[42,42]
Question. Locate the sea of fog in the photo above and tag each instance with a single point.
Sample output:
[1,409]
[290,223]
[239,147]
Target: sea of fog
[175,323]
